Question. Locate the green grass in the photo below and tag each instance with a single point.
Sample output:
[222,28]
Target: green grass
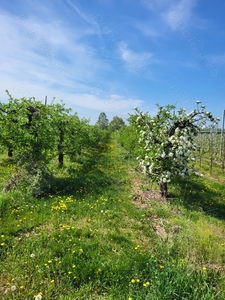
[99,235]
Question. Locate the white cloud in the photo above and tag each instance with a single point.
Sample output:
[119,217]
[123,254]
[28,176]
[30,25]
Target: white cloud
[30,54]
[111,103]
[83,15]
[180,11]
[40,58]
[172,12]
[89,19]
[138,59]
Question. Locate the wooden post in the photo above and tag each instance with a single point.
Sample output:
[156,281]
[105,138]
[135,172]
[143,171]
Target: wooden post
[222,132]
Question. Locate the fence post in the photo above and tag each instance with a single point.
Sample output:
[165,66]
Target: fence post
[222,131]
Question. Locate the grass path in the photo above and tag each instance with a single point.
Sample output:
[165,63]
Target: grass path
[104,235]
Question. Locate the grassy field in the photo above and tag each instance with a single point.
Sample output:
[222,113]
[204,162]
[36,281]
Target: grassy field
[104,233]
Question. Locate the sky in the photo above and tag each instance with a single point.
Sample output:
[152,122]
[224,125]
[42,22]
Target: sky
[113,55]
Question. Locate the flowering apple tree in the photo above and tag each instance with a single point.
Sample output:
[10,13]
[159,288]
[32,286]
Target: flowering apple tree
[167,142]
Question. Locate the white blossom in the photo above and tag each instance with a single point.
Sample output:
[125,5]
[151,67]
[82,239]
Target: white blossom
[163,150]
[163,155]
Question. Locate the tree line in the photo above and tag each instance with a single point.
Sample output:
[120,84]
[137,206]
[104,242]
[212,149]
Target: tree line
[35,134]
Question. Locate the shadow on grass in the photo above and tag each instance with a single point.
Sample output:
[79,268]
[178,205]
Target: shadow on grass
[7,161]
[83,184]
[201,195]
[6,166]
[94,178]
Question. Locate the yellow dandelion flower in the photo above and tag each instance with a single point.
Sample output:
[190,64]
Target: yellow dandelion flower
[146,283]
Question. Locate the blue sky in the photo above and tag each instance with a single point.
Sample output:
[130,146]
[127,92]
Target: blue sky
[114,55]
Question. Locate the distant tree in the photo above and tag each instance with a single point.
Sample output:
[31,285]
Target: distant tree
[102,122]
[116,123]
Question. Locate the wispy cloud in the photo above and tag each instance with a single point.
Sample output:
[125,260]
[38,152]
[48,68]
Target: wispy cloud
[141,59]
[61,56]
[113,102]
[58,64]
[84,16]
[180,11]
[87,103]
[172,11]
[65,48]
[75,7]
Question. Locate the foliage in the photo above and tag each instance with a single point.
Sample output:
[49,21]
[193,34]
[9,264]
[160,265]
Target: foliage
[37,133]
[102,121]
[28,129]
[128,137]
[167,142]
[75,136]
[116,123]
[27,125]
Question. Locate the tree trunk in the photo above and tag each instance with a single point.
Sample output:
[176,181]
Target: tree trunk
[10,152]
[163,189]
[60,149]
[60,160]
